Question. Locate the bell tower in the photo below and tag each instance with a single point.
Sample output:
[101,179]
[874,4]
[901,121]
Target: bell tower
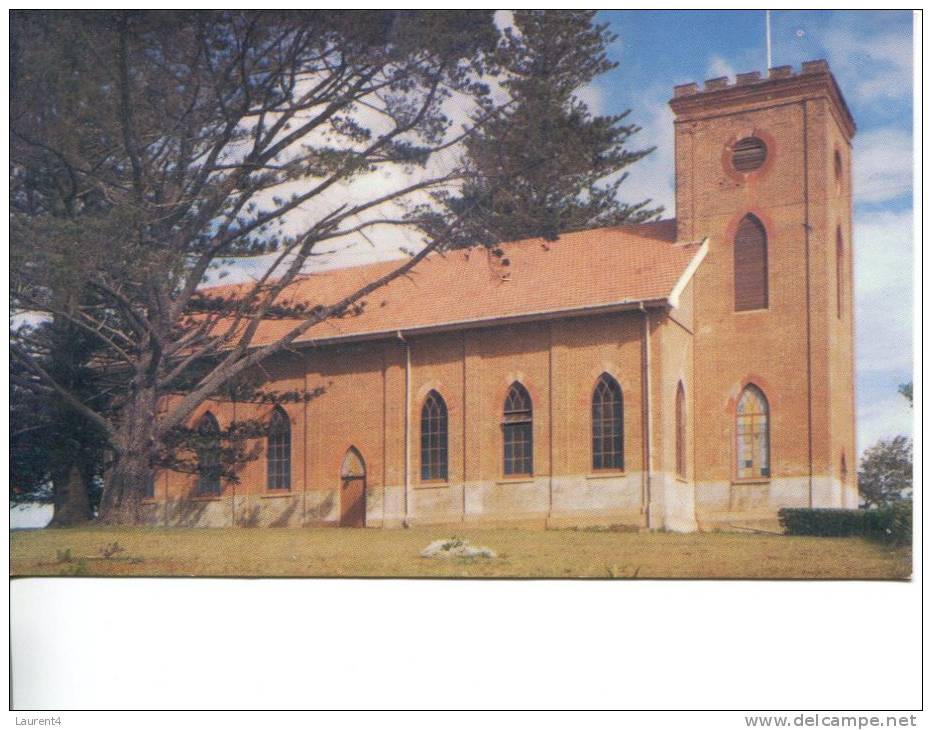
[763,169]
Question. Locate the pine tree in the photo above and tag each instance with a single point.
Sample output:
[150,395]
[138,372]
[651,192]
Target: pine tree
[55,454]
[563,166]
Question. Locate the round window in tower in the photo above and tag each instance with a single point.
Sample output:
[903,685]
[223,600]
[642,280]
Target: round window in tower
[748,154]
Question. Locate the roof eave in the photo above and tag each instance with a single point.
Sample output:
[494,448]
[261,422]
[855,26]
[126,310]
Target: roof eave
[585,310]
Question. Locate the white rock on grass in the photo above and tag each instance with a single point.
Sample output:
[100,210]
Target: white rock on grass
[455,547]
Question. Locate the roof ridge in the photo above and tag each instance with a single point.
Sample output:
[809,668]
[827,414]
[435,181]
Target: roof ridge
[303,276]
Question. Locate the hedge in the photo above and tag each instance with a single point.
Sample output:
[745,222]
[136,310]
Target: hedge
[892,523]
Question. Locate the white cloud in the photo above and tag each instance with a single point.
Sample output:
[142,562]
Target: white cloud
[376,243]
[871,66]
[593,97]
[883,419]
[883,254]
[871,54]
[718,67]
[653,176]
[884,312]
[883,165]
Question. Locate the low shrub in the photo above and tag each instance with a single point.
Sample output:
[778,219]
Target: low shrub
[822,522]
[892,523]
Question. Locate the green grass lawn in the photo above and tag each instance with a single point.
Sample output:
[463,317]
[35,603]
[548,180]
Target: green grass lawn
[520,553]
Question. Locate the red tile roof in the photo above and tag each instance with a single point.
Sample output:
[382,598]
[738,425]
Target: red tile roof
[587,269]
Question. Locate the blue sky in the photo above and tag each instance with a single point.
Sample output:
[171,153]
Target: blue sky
[871,55]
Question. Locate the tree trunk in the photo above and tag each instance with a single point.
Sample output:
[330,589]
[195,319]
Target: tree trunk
[71,502]
[125,482]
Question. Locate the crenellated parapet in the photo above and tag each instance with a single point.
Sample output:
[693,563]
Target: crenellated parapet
[814,77]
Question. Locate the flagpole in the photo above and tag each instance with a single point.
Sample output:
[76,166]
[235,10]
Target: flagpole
[769,59]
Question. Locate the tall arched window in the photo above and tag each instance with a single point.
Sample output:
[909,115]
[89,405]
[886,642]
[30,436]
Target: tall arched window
[753,435]
[680,430]
[517,426]
[607,424]
[278,450]
[434,438]
[839,271]
[208,455]
[750,265]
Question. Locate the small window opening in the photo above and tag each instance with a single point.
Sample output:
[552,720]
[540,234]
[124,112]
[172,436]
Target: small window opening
[748,154]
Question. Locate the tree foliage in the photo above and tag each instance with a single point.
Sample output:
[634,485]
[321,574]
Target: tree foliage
[563,165]
[150,149]
[886,473]
[48,438]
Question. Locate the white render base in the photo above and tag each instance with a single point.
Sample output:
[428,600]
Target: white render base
[673,503]
[566,501]
[724,504]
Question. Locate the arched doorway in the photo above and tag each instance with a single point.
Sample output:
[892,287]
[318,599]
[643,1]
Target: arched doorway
[353,490]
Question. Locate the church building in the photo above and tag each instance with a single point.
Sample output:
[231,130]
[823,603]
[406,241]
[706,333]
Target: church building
[695,373]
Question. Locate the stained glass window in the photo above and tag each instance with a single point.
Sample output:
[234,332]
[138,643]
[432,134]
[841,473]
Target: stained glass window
[753,435]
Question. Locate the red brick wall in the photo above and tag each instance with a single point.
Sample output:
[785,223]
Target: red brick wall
[713,350]
[801,122]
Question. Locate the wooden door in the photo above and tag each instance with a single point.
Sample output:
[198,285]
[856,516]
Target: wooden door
[353,490]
